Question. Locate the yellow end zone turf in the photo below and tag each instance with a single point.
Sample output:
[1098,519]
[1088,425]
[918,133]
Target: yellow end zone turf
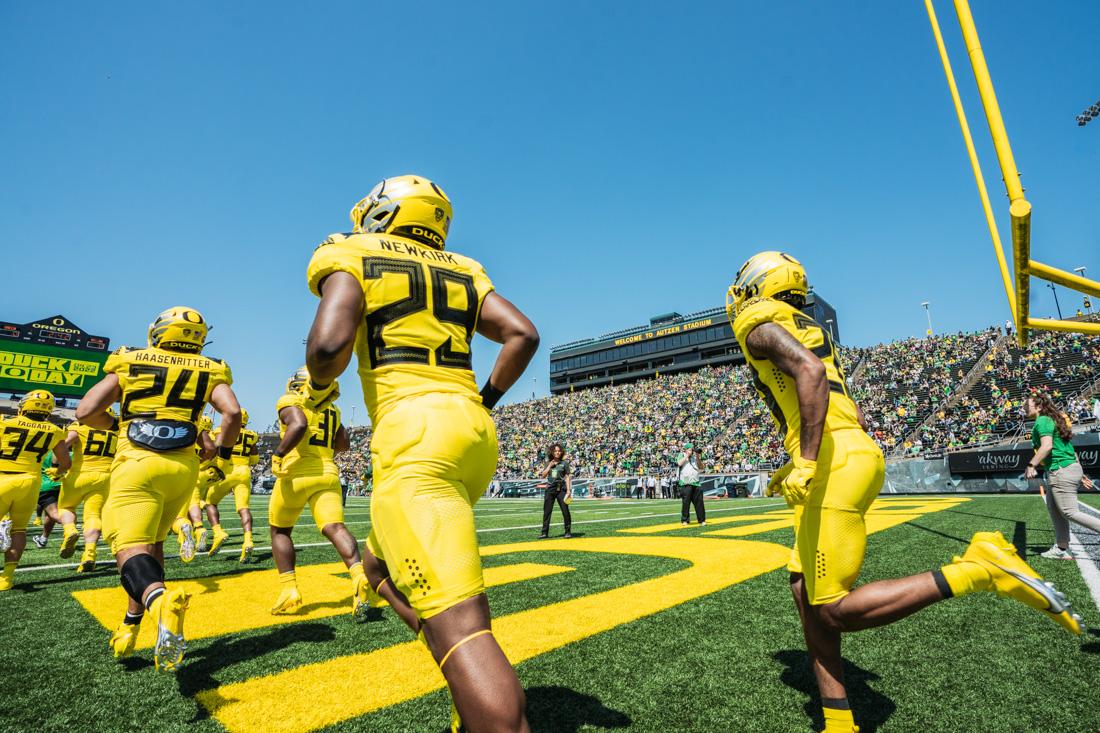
[229,604]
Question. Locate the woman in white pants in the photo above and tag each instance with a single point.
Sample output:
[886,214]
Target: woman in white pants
[1054,453]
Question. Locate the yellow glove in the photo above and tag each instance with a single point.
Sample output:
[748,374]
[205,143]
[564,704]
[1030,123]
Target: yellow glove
[317,396]
[277,466]
[775,487]
[54,473]
[796,484]
[222,467]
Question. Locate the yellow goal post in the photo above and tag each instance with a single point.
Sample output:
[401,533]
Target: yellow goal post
[1017,288]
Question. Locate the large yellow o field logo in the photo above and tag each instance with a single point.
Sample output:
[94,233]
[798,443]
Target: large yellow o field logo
[403,672]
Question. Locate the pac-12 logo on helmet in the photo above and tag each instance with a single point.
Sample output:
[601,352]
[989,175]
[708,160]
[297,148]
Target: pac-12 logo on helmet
[37,403]
[179,329]
[405,206]
[766,275]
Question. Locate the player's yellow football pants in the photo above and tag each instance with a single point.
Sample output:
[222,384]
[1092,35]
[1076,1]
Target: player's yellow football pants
[88,488]
[18,496]
[292,493]
[434,456]
[830,535]
[145,497]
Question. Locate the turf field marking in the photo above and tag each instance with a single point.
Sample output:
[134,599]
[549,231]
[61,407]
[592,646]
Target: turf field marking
[883,514]
[1087,566]
[230,604]
[628,517]
[407,671]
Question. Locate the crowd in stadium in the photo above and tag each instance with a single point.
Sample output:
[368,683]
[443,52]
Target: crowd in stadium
[919,395]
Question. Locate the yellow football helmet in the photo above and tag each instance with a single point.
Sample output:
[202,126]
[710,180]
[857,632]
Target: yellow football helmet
[299,380]
[766,275]
[36,402]
[179,329]
[244,417]
[405,206]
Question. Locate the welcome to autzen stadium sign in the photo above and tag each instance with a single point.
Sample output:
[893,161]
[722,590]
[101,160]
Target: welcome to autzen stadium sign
[1014,460]
[50,353]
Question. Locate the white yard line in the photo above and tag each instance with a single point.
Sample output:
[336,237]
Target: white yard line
[258,548]
[1087,566]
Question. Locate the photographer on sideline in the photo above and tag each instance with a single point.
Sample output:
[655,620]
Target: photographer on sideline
[559,488]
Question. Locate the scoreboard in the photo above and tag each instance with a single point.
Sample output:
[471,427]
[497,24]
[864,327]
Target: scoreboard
[50,353]
[668,343]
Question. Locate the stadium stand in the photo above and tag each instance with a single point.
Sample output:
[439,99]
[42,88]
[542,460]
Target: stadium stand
[919,395]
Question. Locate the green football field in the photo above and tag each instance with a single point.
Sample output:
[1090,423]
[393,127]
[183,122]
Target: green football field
[635,624]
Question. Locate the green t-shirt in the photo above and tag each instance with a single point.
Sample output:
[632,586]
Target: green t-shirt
[1062,453]
[48,484]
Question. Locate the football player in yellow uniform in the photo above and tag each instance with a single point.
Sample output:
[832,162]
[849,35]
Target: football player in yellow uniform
[189,528]
[237,479]
[835,473]
[162,391]
[93,452]
[25,440]
[409,309]
[306,473]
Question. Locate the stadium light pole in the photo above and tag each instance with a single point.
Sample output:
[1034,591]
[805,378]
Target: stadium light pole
[832,333]
[1056,303]
[928,312]
[534,384]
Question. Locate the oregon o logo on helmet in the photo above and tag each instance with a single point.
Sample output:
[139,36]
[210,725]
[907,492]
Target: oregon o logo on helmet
[192,316]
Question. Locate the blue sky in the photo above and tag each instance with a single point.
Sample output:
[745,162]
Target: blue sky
[607,161]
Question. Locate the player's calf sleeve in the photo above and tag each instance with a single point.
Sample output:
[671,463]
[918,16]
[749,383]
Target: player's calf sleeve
[960,578]
[93,523]
[287,579]
[138,573]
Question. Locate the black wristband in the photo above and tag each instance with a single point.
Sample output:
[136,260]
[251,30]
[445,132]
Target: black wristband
[316,386]
[114,425]
[490,396]
[225,451]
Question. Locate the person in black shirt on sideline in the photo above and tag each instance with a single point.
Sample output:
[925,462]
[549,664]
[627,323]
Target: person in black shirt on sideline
[559,488]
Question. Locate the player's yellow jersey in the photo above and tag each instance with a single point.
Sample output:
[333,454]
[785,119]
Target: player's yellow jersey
[24,443]
[421,308]
[163,385]
[313,456]
[244,448]
[94,449]
[776,388]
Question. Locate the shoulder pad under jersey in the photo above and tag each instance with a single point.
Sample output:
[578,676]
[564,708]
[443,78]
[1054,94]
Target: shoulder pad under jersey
[334,238]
